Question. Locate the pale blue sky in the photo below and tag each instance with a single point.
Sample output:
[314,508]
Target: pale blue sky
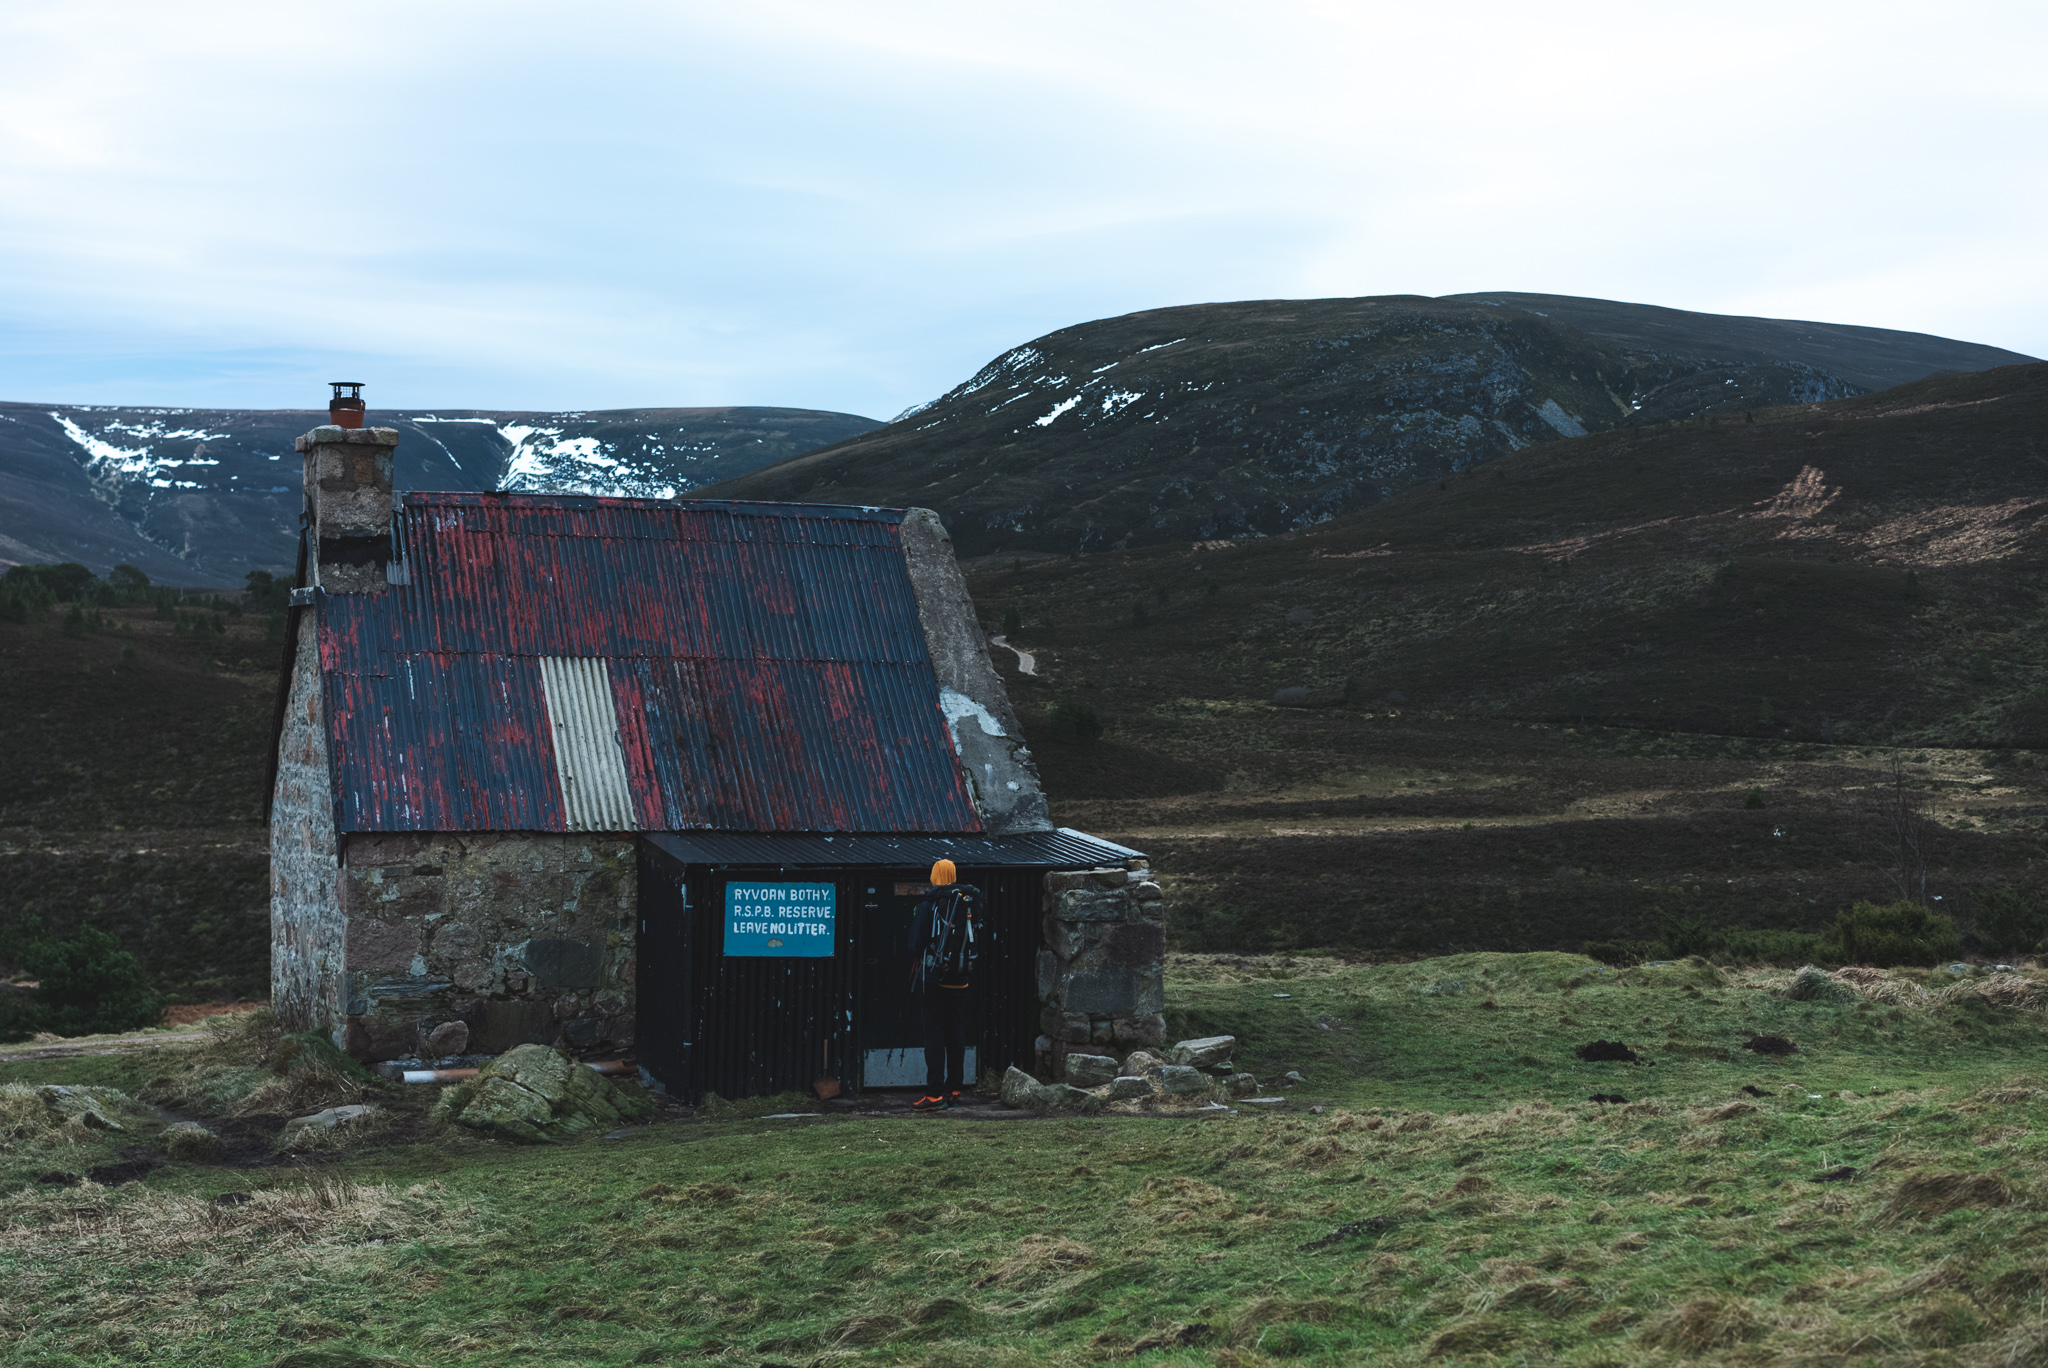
[853,206]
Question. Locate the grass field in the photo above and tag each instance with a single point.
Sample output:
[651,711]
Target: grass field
[1457,1199]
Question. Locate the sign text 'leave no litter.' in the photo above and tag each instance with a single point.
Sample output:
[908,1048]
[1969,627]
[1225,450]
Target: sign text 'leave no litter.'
[779,918]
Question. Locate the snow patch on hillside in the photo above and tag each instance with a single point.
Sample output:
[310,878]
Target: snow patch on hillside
[1552,412]
[1009,363]
[543,461]
[1057,409]
[1117,400]
[105,459]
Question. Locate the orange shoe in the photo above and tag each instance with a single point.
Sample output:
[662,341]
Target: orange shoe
[931,1102]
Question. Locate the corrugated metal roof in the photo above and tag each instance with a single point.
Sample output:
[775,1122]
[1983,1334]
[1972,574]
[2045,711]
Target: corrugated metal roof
[1061,849]
[584,725]
[766,667]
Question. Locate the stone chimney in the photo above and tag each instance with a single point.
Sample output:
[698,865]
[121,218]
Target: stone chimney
[348,506]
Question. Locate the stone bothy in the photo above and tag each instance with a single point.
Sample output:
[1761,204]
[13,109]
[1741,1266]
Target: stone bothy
[541,761]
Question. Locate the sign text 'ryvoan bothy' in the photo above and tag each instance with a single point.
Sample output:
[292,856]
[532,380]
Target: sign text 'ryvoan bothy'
[780,919]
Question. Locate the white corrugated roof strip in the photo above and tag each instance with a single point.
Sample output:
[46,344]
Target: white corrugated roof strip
[588,758]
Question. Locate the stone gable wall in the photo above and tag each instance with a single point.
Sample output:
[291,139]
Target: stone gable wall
[306,929]
[1102,973]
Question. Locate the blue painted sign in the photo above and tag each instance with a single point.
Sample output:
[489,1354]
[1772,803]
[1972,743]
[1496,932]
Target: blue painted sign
[780,919]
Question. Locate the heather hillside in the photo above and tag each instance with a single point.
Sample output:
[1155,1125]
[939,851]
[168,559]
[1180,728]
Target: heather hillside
[1251,419]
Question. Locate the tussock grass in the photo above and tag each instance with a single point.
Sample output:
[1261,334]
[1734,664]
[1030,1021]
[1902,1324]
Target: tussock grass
[114,1273]
[248,1066]
[748,1108]
[49,1132]
[1450,1205]
[27,1117]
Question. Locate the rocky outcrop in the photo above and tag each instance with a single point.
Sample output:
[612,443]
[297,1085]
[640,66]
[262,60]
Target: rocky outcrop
[539,1096]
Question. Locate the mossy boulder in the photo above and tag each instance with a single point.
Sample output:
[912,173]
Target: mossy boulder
[539,1096]
[86,1108]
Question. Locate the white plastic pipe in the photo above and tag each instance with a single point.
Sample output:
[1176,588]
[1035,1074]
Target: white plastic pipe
[603,1066]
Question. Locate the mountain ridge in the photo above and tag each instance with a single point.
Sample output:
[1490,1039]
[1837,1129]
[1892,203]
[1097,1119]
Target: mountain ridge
[1252,418]
[200,497]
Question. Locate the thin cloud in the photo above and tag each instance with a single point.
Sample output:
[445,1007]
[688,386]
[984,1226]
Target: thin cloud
[853,207]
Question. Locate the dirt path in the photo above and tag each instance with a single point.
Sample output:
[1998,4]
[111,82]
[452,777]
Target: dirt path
[1027,663]
[101,1045]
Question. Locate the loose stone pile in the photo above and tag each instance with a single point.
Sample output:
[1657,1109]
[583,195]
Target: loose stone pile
[1192,1071]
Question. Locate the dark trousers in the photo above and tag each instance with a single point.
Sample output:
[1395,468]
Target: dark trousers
[945,1038]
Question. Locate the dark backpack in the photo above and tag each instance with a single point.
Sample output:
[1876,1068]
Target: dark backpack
[953,949]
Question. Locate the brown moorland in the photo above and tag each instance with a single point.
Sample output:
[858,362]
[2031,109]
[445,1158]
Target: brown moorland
[1647,674]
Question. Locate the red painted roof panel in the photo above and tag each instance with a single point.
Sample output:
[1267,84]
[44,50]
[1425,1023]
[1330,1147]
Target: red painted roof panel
[766,661]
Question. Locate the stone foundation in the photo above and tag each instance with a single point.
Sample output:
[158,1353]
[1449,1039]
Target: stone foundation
[1102,973]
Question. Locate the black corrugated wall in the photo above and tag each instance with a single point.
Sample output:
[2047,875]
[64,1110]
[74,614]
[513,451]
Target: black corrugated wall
[745,1027]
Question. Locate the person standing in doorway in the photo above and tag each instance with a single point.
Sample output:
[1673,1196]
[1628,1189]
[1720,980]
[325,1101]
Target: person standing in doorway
[944,945]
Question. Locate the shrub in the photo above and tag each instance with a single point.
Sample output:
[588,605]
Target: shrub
[1689,936]
[267,593]
[1745,946]
[1723,945]
[62,583]
[1074,723]
[89,984]
[1754,798]
[19,1018]
[1013,621]
[2006,919]
[1623,953]
[1890,935]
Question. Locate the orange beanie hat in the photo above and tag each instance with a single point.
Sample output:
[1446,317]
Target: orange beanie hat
[942,873]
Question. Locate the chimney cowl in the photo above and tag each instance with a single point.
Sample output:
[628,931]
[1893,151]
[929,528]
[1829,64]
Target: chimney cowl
[346,410]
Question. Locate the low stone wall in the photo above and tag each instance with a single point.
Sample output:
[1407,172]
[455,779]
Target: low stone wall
[1102,973]
[523,937]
